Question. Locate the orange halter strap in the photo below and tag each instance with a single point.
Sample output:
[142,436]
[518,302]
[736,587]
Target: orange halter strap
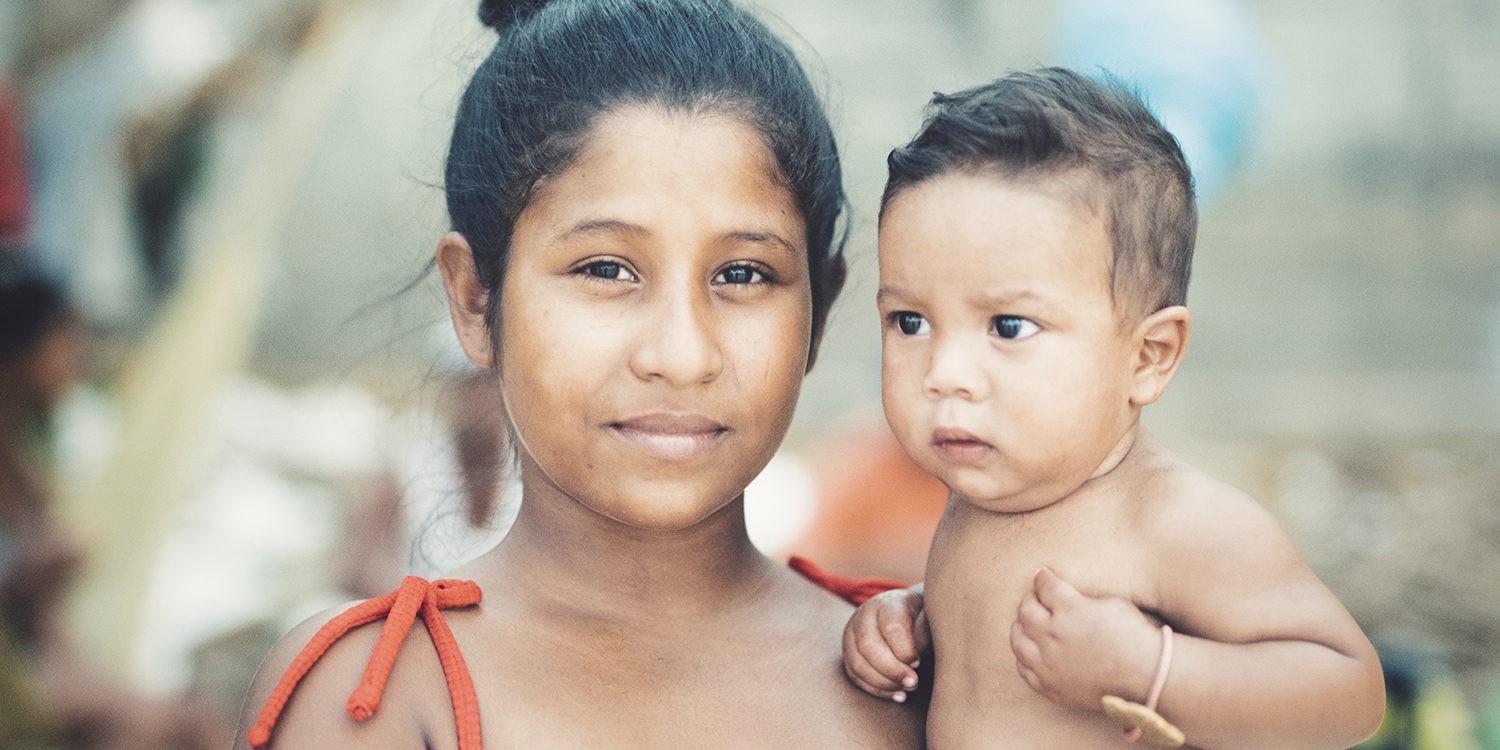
[400,609]
[853,590]
[416,596]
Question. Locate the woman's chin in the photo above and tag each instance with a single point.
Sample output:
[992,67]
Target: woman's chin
[664,508]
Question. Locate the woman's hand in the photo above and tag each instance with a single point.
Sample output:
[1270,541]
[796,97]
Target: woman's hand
[1074,649]
[883,644]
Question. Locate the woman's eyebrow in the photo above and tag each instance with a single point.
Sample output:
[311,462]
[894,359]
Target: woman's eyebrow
[763,238]
[606,226]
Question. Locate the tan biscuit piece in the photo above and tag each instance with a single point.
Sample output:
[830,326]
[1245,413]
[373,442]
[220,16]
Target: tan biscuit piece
[1154,729]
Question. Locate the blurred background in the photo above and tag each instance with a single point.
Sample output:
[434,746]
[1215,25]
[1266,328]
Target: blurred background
[230,396]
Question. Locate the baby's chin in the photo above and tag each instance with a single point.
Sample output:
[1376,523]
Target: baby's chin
[988,491]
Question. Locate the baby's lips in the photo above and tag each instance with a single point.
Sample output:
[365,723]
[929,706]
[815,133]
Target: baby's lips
[956,435]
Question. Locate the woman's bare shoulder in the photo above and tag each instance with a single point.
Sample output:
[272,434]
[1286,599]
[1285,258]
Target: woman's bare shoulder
[858,719]
[315,715]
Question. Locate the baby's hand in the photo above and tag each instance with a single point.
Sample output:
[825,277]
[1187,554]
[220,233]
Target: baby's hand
[883,642]
[1074,649]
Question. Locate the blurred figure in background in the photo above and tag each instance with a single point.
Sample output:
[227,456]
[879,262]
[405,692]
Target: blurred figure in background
[39,352]
[15,192]
[49,697]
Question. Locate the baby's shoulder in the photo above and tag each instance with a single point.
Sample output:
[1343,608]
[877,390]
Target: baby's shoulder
[315,711]
[1187,516]
[1218,565]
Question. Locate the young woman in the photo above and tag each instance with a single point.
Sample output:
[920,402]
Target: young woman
[644,196]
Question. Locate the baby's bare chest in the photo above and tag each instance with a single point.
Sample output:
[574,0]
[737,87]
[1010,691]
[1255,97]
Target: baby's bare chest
[978,577]
[984,569]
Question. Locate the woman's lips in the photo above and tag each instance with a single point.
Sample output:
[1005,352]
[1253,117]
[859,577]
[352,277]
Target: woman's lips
[960,446]
[671,436]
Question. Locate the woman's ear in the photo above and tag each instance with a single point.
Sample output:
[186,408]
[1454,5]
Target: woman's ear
[468,300]
[1161,341]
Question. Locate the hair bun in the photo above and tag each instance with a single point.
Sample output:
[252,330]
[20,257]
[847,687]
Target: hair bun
[498,14]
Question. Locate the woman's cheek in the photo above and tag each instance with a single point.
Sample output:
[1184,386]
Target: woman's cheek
[549,354]
[767,346]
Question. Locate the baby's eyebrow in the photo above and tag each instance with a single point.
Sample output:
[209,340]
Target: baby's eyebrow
[891,293]
[1009,297]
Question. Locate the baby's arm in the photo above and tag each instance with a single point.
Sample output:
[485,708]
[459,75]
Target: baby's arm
[884,641]
[1265,656]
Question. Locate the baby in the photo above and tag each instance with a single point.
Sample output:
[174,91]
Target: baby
[1035,243]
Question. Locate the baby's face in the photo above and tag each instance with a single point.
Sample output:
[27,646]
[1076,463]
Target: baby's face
[1006,372]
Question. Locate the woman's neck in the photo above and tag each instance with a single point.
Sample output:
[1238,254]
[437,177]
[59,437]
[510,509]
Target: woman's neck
[566,557]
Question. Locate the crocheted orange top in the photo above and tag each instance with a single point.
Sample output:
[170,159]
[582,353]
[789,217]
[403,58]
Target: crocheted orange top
[417,596]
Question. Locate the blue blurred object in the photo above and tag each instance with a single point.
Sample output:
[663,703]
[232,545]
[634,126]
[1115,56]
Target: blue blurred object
[1201,65]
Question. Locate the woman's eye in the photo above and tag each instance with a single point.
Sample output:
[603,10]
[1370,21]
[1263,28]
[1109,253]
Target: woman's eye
[1013,327]
[609,269]
[912,324]
[740,275]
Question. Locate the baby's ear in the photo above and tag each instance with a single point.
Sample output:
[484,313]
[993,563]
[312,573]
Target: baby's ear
[467,298]
[1161,340]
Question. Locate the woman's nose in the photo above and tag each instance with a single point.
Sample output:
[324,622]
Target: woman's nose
[681,343]
[954,371]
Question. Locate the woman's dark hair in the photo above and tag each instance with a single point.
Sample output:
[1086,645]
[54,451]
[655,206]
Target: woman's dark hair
[1053,123]
[559,66]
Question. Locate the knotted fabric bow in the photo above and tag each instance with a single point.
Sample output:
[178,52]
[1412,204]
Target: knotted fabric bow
[400,609]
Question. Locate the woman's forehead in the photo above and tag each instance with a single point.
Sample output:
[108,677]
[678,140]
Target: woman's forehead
[642,165]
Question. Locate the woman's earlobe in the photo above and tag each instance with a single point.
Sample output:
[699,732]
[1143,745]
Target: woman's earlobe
[1162,341]
[468,299]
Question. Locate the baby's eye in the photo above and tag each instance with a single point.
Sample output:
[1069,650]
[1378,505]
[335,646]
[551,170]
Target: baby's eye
[609,269]
[1013,327]
[912,324]
[740,275]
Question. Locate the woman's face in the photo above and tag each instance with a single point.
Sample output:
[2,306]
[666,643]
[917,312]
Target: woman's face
[655,317]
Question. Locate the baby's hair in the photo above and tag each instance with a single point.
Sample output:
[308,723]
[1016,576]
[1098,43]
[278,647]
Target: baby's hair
[1052,124]
[561,66]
